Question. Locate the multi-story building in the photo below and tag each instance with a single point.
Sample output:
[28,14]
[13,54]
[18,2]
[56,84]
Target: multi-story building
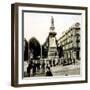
[70,42]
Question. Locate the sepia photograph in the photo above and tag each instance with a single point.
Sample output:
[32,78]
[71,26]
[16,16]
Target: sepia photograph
[49,44]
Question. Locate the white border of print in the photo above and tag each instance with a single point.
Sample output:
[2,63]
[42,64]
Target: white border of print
[52,79]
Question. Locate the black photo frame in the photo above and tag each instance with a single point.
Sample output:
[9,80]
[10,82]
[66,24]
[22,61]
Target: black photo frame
[17,14]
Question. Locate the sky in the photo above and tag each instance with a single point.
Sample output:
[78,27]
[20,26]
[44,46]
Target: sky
[38,25]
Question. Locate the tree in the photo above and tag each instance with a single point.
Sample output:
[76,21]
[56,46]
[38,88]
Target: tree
[44,51]
[25,50]
[34,47]
[60,51]
[45,48]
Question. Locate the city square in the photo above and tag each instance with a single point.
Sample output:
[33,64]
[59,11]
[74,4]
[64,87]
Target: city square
[55,57]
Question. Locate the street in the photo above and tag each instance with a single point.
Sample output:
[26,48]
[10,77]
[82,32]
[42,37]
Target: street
[59,70]
[66,70]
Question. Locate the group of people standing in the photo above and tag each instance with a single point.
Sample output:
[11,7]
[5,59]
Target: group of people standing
[37,67]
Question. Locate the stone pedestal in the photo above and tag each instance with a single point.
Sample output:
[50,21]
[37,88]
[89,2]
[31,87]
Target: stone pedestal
[52,51]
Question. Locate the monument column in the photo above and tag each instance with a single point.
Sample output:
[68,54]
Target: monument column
[52,50]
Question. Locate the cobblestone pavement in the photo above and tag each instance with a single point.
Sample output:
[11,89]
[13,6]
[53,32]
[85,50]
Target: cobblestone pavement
[61,70]
[66,70]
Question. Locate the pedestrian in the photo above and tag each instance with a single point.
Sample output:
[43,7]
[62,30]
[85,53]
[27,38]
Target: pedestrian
[43,66]
[74,61]
[47,66]
[34,68]
[38,66]
[29,70]
[53,62]
[48,72]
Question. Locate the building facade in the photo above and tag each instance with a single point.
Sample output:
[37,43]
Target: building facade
[70,42]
